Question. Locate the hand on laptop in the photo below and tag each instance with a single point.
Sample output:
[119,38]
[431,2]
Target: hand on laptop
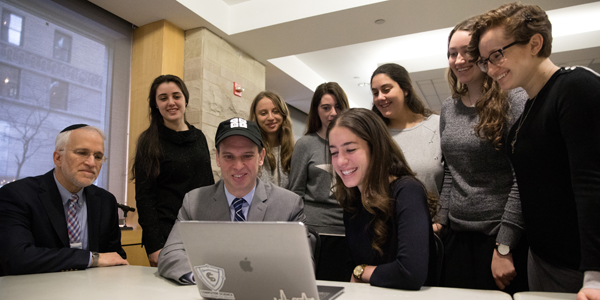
[111,259]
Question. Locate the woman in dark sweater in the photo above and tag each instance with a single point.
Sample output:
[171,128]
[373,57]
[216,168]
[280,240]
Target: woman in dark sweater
[172,158]
[387,214]
[553,147]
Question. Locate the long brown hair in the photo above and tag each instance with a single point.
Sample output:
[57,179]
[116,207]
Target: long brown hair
[331,88]
[386,161]
[148,153]
[493,106]
[400,75]
[284,134]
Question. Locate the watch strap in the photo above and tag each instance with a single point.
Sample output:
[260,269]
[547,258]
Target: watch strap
[95,258]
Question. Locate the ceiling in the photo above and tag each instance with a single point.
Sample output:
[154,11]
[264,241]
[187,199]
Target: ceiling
[304,43]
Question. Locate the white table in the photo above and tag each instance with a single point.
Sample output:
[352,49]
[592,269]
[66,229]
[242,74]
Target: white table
[136,282]
[544,296]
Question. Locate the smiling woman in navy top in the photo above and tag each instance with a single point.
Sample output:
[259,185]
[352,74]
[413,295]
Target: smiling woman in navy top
[387,214]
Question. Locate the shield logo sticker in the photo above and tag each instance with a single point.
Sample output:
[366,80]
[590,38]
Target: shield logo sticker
[212,277]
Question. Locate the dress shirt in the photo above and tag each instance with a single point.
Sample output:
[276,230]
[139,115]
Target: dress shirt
[81,208]
[245,206]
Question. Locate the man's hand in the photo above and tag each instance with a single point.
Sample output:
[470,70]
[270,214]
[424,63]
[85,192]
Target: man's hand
[588,294]
[437,227]
[153,258]
[111,259]
[503,269]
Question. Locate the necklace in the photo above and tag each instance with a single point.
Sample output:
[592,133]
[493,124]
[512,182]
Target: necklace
[514,141]
[468,96]
[320,135]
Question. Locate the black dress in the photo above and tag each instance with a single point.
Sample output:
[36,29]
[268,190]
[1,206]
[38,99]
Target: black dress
[185,166]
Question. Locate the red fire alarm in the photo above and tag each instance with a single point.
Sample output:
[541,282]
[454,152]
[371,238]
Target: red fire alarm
[237,89]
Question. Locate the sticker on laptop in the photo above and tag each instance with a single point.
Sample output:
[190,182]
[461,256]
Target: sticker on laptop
[283,297]
[213,278]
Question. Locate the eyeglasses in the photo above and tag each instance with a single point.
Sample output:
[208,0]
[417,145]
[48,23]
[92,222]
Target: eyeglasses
[83,154]
[496,58]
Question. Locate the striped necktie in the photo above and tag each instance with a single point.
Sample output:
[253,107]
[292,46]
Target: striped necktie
[239,214]
[72,221]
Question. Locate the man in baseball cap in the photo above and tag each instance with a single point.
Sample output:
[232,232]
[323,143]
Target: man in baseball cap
[239,196]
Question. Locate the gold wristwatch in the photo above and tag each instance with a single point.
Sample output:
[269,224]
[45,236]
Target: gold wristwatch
[358,272]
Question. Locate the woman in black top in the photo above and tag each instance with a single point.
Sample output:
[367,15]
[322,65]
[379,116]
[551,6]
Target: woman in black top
[172,158]
[553,147]
[387,214]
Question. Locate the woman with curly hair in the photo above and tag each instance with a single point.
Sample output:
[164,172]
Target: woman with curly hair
[387,213]
[272,115]
[553,147]
[481,210]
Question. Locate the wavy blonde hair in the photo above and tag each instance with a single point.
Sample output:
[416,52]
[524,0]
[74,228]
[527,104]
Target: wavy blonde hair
[492,108]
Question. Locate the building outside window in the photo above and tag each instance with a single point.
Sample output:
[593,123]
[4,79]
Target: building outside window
[62,46]
[12,27]
[57,69]
[9,81]
[59,94]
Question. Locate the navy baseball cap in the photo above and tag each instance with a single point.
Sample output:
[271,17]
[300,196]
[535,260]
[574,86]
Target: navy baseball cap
[239,126]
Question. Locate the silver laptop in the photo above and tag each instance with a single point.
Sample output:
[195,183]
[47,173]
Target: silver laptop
[251,260]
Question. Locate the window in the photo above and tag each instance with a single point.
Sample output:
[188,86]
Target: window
[71,65]
[62,46]
[12,27]
[59,94]
[9,81]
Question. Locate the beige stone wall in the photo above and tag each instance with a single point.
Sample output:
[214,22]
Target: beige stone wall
[211,66]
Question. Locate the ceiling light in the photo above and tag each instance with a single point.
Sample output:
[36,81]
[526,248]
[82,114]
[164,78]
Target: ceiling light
[363,84]
[379,21]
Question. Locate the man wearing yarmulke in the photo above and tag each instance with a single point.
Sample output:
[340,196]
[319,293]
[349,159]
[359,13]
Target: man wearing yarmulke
[60,221]
[239,196]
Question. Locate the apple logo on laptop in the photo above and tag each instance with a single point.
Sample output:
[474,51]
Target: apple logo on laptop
[245,265]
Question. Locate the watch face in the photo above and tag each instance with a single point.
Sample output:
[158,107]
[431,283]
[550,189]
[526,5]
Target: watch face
[503,249]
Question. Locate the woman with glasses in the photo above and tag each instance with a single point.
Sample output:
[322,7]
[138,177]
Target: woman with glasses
[411,125]
[271,114]
[311,180]
[387,213]
[171,159]
[481,210]
[553,147]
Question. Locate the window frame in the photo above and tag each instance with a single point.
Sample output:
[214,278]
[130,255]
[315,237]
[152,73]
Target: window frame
[6,28]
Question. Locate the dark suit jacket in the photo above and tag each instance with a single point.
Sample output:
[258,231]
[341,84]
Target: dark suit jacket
[209,203]
[33,227]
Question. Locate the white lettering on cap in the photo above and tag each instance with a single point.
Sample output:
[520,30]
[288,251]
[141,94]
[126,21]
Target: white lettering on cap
[238,122]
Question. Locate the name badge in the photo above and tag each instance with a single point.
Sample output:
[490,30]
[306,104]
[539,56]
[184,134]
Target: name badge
[77,245]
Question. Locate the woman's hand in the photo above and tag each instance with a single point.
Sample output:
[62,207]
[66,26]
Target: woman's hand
[503,269]
[588,294]
[153,258]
